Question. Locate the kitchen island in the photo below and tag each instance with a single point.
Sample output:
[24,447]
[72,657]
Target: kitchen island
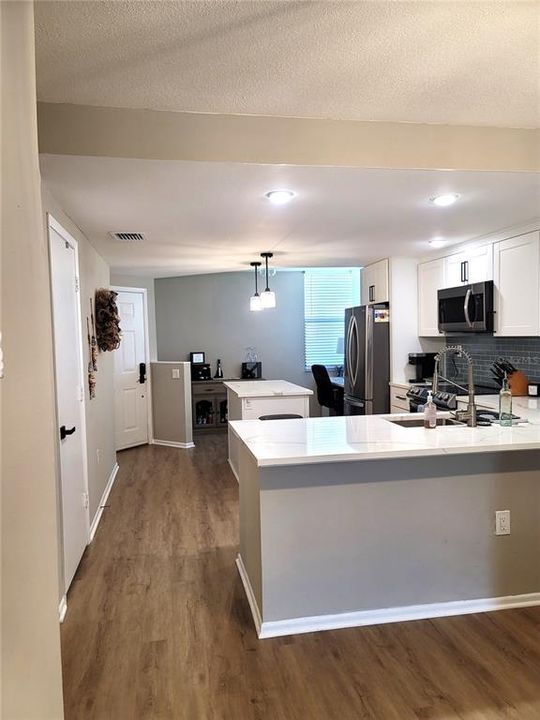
[250,399]
[348,521]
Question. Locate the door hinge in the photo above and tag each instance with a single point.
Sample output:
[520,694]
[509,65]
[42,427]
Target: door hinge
[76,284]
[85,500]
[81,393]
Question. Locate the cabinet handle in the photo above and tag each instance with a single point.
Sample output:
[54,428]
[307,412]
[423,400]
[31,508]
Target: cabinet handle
[371,293]
[400,397]
[466,270]
[462,274]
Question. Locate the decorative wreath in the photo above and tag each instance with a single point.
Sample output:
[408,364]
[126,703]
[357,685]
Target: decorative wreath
[107,320]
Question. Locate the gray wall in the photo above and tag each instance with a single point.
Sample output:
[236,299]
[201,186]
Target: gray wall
[148,284]
[31,666]
[211,313]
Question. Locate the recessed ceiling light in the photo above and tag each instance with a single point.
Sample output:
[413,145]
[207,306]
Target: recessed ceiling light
[437,242]
[444,200]
[280,197]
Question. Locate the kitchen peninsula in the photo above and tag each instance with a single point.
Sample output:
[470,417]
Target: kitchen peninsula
[359,520]
[251,399]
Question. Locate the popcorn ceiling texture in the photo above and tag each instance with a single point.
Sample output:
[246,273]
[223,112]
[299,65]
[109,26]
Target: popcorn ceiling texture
[522,352]
[456,63]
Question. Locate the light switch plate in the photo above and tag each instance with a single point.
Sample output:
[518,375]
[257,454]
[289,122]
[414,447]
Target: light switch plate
[176,374]
[502,522]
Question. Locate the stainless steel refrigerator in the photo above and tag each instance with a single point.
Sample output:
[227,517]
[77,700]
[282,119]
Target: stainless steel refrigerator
[367,360]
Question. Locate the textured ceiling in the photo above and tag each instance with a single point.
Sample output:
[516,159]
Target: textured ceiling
[203,217]
[455,62]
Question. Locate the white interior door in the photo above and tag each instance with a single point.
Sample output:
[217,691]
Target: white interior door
[130,365]
[69,397]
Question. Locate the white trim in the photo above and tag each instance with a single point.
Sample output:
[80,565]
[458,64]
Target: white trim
[295,626]
[171,443]
[233,471]
[53,224]
[149,415]
[255,612]
[62,608]
[102,503]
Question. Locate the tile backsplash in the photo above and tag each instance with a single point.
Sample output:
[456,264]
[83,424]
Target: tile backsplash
[523,352]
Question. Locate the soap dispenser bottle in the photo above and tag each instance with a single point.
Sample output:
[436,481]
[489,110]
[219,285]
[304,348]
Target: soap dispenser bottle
[430,413]
[505,404]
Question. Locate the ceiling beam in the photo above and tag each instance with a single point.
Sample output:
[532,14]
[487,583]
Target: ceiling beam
[158,135]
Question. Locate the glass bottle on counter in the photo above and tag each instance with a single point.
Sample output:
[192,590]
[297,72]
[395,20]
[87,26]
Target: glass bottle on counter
[430,413]
[505,404]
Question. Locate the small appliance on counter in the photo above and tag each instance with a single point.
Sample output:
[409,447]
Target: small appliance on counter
[424,365]
[251,370]
[251,367]
[201,371]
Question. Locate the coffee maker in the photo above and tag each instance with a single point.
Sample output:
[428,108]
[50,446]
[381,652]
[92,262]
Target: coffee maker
[424,366]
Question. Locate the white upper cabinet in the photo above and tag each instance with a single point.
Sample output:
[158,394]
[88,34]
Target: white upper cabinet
[517,285]
[430,280]
[375,283]
[470,266]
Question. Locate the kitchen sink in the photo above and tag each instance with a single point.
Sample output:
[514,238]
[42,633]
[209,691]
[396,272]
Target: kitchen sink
[415,422]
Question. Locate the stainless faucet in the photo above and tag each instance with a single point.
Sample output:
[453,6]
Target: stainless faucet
[470,413]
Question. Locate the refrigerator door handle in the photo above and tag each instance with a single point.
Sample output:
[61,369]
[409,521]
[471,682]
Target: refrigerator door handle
[354,342]
[369,353]
[348,346]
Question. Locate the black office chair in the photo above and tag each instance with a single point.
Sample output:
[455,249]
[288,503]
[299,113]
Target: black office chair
[328,395]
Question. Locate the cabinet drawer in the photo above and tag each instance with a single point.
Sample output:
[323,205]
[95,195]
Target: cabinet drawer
[253,408]
[399,399]
[207,388]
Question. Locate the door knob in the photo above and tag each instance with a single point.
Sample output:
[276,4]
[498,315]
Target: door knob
[64,432]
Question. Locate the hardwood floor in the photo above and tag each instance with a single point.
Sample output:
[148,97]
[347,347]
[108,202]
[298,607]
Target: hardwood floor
[158,625]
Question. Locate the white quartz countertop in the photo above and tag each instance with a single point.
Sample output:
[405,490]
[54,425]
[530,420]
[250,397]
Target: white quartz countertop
[526,408]
[339,439]
[265,388]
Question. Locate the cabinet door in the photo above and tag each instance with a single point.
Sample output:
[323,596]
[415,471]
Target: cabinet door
[470,266]
[375,283]
[430,280]
[479,264]
[454,267]
[369,281]
[517,288]
[381,282]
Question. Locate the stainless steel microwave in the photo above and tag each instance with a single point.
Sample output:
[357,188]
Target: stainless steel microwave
[466,308]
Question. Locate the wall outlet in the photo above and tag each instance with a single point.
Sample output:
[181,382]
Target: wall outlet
[98,455]
[502,522]
[176,374]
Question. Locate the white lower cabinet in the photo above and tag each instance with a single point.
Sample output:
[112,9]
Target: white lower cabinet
[399,402]
[517,285]
[430,280]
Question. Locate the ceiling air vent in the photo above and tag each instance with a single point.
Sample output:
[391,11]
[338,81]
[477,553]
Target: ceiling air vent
[127,237]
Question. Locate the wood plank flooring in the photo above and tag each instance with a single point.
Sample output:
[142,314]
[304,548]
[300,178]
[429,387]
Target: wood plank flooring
[158,625]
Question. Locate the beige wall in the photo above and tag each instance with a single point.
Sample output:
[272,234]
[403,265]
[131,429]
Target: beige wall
[158,135]
[148,284]
[94,273]
[171,403]
[31,666]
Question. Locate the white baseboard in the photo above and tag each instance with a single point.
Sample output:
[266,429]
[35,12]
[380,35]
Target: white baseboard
[62,608]
[250,594]
[296,626]
[170,443]
[233,471]
[102,502]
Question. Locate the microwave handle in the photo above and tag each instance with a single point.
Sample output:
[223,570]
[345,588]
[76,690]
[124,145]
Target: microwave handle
[466,307]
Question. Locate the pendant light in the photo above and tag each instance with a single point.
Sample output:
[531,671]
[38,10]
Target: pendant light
[268,298]
[255,303]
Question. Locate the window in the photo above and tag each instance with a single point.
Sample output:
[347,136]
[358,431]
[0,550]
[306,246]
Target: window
[327,292]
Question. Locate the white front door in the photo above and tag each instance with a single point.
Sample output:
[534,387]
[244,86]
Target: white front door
[69,396]
[130,366]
